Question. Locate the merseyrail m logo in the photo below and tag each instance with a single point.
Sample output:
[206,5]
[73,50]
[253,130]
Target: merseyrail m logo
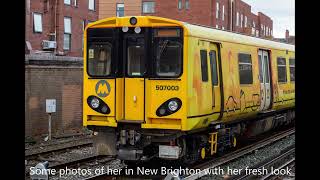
[103,88]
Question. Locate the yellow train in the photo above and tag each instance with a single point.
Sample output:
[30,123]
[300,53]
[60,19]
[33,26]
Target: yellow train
[156,87]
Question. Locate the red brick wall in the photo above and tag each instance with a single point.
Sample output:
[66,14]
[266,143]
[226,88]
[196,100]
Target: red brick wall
[61,82]
[266,21]
[47,9]
[200,12]
[222,23]
[204,12]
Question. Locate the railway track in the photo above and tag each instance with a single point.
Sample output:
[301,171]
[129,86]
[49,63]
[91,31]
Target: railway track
[58,147]
[285,158]
[216,162]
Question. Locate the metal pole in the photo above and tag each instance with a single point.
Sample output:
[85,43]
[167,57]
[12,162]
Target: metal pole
[49,136]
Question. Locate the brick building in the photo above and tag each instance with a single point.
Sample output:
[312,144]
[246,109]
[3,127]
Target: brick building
[288,39]
[233,15]
[56,26]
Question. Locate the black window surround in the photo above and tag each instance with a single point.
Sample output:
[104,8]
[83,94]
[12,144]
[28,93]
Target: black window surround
[115,36]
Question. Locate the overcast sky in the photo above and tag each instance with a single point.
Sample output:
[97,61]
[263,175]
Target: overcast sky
[280,11]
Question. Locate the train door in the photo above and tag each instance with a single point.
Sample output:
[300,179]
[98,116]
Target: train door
[264,77]
[213,58]
[134,57]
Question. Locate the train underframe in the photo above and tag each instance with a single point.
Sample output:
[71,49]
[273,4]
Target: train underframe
[133,144]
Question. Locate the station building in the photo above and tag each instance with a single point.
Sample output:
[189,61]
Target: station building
[232,15]
[56,26]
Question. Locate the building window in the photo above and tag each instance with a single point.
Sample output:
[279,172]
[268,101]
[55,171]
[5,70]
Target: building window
[237,23]
[282,70]
[75,3]
[67,33]
[257,33]
[204,65]
[222,27]
[120,9]
[187,4]
[213,67]
[217,11]
[241,21]
[245,21]
[179,4]
[223,13]
[292,69]
[148,7]
[245,68]
[217,26]
[68,2]
[92,5]
[37,22]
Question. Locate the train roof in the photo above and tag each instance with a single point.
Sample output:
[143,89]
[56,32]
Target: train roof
[194,30]
[227,36]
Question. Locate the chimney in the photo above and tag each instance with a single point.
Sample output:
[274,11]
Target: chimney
[287,34]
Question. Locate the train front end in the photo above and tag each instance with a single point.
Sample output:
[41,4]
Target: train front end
[134,86]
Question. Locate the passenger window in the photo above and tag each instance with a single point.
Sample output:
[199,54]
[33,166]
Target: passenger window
[245,68]
[204,65]
[292,69]
[213,64]
[282,70]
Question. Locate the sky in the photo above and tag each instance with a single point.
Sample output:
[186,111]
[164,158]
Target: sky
[282,13]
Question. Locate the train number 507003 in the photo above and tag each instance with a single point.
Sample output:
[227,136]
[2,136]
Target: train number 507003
[169,88]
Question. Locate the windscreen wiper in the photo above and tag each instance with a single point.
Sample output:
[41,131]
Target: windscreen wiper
[165,43]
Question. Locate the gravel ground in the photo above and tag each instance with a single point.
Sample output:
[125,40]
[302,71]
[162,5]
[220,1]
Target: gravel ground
[63,157]
[87,171]
[254,158]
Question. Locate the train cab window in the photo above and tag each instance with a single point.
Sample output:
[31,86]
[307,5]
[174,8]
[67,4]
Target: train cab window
[168,52]
[245,68]
[136,53]
[282,70]
[204,65]
[292,69]
[99,59]
[213,65]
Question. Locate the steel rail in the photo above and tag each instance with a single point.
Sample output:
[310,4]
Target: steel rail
[205,167]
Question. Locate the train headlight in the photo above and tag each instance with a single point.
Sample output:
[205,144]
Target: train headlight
[95,103]
[125,29]
[169,107]
[137,30]
[104,109]
[133,20]
[98,105]
[173,105]
[162,111]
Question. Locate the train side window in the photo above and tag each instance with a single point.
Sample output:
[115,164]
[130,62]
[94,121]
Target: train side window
[204,65]
[245,68]
[213,64]
[292,69]
[282,70]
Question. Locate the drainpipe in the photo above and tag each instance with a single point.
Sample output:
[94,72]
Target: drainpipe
[55,26]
